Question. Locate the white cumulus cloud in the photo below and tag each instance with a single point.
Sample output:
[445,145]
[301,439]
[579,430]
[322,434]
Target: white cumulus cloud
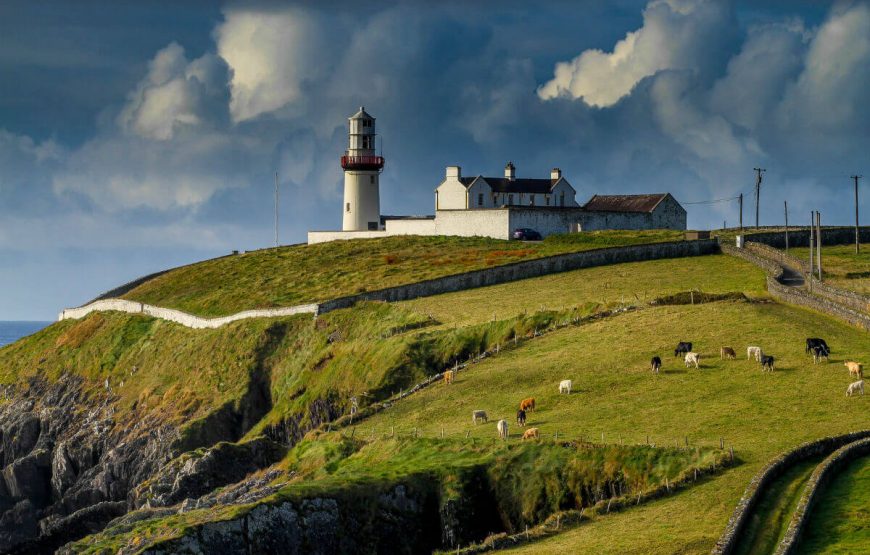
[676,34]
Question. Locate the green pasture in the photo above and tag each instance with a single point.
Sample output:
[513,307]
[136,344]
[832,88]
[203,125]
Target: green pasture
[841,266]
[301,274]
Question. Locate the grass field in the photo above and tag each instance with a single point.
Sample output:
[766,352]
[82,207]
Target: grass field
[840,521]
[594,288]
[300,274]
[842,267]
[615,395]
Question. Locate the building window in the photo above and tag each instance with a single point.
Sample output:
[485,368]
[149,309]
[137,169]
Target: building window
[510,199]
[547,199]
[480,199]
[347,207]
[373,226]
[494,199]
[531,200]
[372,179]
[562,198]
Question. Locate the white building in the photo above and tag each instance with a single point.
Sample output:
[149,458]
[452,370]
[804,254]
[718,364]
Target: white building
[486,206]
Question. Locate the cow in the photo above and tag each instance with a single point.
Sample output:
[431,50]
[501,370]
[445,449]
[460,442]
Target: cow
[565,386]
[819,353]
[502,429]
[855,368]
[683,347]
[528,404]
[478,415]
[521,417]
[655,364]
[752,351]
[693,358]
[854,387]
[727,352]
[449,376]
[767,362]
[816,342]
[531,433]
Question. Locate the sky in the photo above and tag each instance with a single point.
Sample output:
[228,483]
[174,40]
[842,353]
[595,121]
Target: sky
[136,136]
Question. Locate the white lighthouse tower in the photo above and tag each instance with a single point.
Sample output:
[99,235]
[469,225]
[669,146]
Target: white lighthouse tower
[362,168]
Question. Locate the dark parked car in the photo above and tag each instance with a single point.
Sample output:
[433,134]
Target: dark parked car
[526,234]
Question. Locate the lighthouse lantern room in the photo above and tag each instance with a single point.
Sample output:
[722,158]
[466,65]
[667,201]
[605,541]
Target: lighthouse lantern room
[362,168]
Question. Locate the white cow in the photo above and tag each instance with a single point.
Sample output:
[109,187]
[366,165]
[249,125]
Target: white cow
[502,429]
[753,351]
[855,387]
[478,415]
[565,386]
[693,358]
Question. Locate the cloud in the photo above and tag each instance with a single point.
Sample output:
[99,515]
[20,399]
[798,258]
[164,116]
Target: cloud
[676,34]
[272,53]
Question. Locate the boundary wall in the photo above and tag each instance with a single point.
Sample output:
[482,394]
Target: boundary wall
[800,237]
[819,480]
[447,284]
[758,485]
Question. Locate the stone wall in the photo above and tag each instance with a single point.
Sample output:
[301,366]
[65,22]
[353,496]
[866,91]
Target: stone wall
[529,269]
[819,480]
[325,236]
[800,237]
[756,489]
[474,223]
[411,226]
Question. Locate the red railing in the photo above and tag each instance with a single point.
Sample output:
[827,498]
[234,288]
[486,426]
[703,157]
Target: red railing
[362,162]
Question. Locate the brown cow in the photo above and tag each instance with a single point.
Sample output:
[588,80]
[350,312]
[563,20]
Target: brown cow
[527,404]
[531,433]
[855,368]
[727,352]
[449,376]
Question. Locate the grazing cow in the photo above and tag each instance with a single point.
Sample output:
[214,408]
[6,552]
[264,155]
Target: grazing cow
[502,429]
[565,386]
[816,342]
[656,364]
[727,352]
[683,347]
[693,358]
[449,376]
[767,363]
[528,404]
[854,387]
[855,368]
[478,415]
[754,352]
[531,433]
[819,353]
[521,417]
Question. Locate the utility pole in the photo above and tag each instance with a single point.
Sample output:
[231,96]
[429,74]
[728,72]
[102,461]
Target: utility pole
[276,209]
[741,211]
[757,190]
[812,228]
[856,177]
[785,202]
[819,243]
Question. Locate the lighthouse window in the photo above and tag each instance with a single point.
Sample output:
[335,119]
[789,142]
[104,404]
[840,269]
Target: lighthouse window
[372,179]
[347,207]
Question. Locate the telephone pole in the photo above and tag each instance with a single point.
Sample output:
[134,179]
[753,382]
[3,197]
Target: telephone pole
[856,177]
[757,190]
[276,209]
[741,211]
[786,225]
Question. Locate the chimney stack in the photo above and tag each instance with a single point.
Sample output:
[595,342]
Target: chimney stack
[454,171]
[555,174]
[510,171]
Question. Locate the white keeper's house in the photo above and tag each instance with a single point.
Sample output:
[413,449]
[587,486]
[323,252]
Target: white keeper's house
[486,206]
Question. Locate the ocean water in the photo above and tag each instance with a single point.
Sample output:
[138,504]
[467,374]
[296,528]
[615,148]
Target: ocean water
[13,331]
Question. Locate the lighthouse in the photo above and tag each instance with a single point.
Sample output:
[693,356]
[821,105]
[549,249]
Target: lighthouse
[362,168]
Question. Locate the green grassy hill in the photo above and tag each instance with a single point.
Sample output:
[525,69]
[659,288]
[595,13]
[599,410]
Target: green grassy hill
[289,276]
[288,377]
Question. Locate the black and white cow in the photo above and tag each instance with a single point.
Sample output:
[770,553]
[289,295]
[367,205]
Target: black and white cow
[683,347]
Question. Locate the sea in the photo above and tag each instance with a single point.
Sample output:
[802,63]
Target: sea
[11,332]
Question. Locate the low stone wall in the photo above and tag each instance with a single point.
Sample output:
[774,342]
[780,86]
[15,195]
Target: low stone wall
[325,236]
[772,268]
[800,297]
[529,269]
[801,237]
[820,478]
[757,487]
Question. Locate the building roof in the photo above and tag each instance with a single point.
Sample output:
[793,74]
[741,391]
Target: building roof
[625,203]
[505,185]
[361,113]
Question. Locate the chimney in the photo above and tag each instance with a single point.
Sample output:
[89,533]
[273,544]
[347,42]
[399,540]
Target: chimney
[454,172]
[555,174]
[509,171]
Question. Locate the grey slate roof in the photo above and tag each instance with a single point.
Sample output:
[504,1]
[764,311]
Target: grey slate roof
[505,185]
